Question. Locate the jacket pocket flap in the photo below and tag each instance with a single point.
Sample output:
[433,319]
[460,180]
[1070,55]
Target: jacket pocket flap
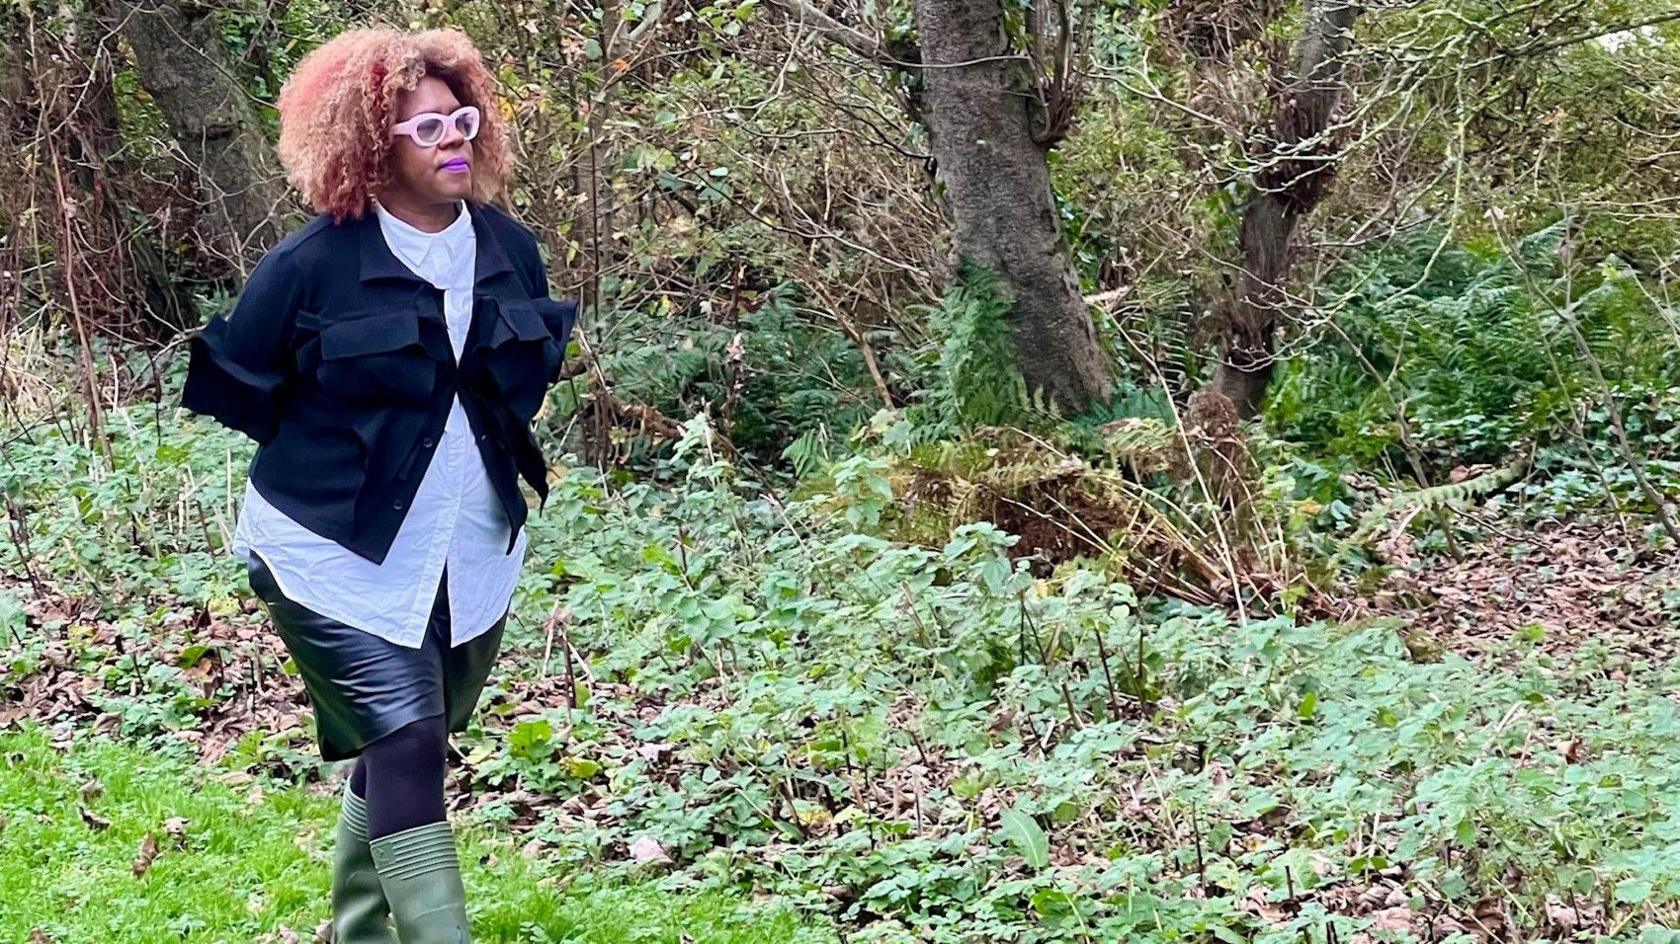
[522,318]
[370,334]
[558,317]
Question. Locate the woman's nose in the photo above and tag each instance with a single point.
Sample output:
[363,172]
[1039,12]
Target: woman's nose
[452,137]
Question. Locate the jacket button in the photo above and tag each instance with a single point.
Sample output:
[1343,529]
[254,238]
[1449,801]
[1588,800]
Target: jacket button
[398,504]
[426,443]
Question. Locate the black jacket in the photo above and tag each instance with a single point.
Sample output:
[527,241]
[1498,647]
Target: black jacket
[337,361]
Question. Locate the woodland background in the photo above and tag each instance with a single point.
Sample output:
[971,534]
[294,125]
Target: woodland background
[1029,470]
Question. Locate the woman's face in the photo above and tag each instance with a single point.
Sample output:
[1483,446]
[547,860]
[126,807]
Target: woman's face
[441,173]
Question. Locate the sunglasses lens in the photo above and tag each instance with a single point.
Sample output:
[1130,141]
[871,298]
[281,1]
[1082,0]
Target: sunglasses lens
[429,131]
[467,123]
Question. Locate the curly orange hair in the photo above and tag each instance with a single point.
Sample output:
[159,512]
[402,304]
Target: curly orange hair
[337,109]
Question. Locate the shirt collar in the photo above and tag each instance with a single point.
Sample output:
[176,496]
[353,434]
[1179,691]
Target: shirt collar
[431,256]
[379,262]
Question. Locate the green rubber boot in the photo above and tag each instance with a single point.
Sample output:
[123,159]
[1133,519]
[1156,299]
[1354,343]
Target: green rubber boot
[359,912]
[422,881]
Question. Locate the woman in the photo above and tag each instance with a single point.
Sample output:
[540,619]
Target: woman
[388,358]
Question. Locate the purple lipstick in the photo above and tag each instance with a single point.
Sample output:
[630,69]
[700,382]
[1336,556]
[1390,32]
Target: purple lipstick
[458,165]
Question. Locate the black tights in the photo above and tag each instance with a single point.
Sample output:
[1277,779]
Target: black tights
[401,777]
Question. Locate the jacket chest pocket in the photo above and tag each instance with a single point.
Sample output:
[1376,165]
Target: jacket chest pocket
[376,358]
[521,357]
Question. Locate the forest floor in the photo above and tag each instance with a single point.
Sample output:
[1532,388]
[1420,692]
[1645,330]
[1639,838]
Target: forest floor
[707,720]
[185,846]
[1550,588]
[1557,586]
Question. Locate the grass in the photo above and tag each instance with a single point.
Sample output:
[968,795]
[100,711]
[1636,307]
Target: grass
[251,864]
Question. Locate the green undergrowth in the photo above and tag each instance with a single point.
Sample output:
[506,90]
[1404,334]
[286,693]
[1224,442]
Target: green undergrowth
[1090,767]
[235,862]
[944,744]
[1449,353]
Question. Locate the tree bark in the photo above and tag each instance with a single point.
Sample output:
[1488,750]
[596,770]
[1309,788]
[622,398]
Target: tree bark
[187,71]
[1295,173]
[1266,242]
[997,185]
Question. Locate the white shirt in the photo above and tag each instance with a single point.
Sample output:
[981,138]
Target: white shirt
[455,518]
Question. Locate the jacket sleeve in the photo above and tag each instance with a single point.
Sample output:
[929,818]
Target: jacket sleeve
[559,315]
[239,365]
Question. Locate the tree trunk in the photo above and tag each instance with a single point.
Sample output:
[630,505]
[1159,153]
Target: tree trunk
[594,228]
[186,69]
[1294,174]
[1266,243]
[997,185]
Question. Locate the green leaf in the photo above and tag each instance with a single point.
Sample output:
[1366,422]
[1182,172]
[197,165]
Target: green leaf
[1052,902]
[191,655]
[1029,840]
[530,739]
[12,616]
[582,767]
[1228,935]
[1632,891]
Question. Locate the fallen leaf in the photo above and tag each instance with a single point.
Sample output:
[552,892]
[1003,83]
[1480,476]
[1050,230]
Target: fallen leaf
[1560,915]
[1490,914]
[1572,751]
[648,849]
[1256,902]
[148,853]
[1444,925]
[94,821]
[39,936]
[92,790]
[1393,919]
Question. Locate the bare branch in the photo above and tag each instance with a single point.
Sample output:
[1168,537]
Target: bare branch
[867,46]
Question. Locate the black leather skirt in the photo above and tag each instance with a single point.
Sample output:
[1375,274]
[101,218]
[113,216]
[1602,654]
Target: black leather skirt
[363,687]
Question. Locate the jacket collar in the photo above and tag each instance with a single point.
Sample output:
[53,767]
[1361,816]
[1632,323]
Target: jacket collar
[378,262]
